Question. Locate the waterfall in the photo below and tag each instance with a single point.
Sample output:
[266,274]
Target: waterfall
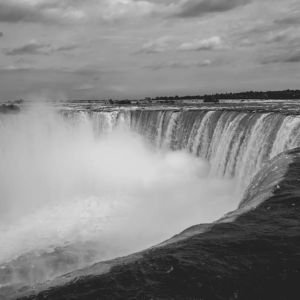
[75,191]
[236,144]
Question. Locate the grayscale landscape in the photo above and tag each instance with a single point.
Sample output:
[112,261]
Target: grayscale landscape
[149,149]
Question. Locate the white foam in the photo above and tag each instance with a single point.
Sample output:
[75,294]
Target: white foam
[61,186]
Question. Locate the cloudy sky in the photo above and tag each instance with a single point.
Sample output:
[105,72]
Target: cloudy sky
[99,49]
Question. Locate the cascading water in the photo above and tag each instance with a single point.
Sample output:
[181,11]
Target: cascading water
[83,186]
[77,188]
[236,144]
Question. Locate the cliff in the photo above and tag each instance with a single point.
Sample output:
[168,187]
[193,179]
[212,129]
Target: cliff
[251,253]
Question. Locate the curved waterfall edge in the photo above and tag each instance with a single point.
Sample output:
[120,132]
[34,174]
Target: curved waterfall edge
[268,213]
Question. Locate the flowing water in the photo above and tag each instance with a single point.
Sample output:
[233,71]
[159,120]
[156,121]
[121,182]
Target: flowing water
[236,144]
[79,187]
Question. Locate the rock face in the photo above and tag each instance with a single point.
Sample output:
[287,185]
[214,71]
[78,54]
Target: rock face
[251,253]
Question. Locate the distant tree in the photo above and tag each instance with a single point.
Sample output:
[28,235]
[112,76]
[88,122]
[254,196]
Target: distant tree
[124,102]
[211,99]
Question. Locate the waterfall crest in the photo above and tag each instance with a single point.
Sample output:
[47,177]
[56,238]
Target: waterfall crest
[84,186]
[236,144]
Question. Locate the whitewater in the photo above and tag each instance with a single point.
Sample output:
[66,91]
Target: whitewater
[80,186]
[77,188]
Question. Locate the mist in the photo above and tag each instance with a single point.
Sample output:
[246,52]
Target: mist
[69,198]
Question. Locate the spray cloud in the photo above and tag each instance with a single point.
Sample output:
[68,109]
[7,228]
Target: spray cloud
[69,198]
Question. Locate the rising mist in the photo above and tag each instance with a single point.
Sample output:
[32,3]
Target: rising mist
[70,198]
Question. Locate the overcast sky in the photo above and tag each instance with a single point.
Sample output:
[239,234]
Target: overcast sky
[99,49]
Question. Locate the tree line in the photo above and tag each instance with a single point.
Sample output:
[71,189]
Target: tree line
[276,95]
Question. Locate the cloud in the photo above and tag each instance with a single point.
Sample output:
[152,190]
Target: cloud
[246,43]
[172,65]
[36,48]
[12,68]
[290,20]
[87,70]
[279,37]
[159,45]
[64,11]
[25,61]
[196,8]
[116,9]
[118,88]
[292,57]
[176,65]
[29,64]
[288,36]
[204,63]
[16,11]
[42,11]
[31,48]
[84,87]
[66,48]
[164,43]
[213,43]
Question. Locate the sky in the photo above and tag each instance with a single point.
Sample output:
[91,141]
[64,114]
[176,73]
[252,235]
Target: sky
[118,49]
